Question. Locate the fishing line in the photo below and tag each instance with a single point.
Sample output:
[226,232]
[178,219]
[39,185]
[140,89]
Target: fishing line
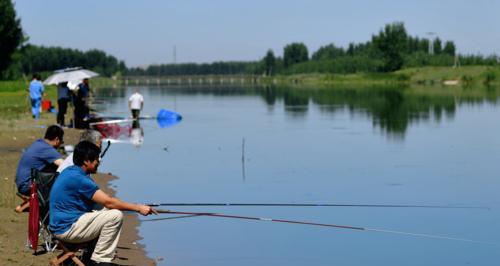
[348,227]
[170,218]
[317,205]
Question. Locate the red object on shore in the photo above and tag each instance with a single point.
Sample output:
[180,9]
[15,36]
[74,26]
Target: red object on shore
[33,217]
[46,105]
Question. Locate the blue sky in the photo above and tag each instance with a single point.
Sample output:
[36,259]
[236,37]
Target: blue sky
[145,32]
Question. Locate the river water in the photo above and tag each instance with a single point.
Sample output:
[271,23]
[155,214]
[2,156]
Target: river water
[341,146]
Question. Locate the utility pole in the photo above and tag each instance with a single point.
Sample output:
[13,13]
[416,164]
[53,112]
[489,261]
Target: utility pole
[431,42]
[457,60]
[175,55]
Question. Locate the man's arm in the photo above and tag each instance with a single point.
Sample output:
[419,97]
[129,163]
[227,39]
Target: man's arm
[58,162]
[114,203]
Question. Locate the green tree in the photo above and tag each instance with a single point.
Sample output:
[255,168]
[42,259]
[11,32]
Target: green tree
[295,53]
[11,34]
[328,52]
[423,45]
[438,46]
[392,43]
[270,62]
[449,48]
[350,49]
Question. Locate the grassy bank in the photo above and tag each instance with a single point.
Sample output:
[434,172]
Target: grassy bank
[17,131]
[424,76]
[465,76]
[358,79]
[15,101]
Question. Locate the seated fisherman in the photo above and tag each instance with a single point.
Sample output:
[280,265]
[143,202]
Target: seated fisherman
[41,155]
[72,198]
[89,135]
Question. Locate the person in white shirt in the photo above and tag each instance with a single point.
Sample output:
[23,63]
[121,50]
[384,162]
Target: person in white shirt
[90,135]
[135,104]
[136,134]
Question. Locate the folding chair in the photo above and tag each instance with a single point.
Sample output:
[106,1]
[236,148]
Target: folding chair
[44,182]
[75,252]
[69,251]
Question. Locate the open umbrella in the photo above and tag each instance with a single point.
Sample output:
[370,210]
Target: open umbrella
[68,75]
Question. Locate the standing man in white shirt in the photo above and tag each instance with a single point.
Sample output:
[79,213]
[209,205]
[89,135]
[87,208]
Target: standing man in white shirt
[135,104]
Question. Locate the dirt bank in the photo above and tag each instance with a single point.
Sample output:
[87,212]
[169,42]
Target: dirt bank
[15,135]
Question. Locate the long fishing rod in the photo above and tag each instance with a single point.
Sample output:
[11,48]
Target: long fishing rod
[164,117]
[121,120]
[348,227]
[315,205]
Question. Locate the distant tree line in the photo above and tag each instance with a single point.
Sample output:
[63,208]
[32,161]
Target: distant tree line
[388,50]
[38,59]
[17,58]
[216,68]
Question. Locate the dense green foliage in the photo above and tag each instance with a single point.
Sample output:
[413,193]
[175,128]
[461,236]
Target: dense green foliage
[391,49]
[328,52]
[392,42]
[295,53]
[34,59]
[270,62]
[11,34]
[18,59]
[217,68]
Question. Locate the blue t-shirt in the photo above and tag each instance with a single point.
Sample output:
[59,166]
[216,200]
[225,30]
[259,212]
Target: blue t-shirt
[62,92]
[36,89]
[83,90]
[70,197]
[38,155]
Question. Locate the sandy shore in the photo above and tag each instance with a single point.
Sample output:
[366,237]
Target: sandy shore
[14,137]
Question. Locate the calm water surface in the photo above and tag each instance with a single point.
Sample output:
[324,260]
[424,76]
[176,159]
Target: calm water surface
[376,146]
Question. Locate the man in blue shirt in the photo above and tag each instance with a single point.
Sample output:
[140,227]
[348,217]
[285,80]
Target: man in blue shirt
[72,199]
[41,155]
[36,92]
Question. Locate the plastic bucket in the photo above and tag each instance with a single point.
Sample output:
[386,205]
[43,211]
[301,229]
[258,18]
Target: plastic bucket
[46,105]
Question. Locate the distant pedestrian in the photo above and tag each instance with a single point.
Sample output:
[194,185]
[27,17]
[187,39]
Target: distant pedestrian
[135,104]
[63,97]
[36,90]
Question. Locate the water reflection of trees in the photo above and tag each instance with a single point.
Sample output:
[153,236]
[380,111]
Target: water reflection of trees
[392,110]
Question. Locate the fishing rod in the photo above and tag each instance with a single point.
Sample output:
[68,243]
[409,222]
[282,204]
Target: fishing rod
[315,205]
[106,149]
[347,227]
[164,117]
